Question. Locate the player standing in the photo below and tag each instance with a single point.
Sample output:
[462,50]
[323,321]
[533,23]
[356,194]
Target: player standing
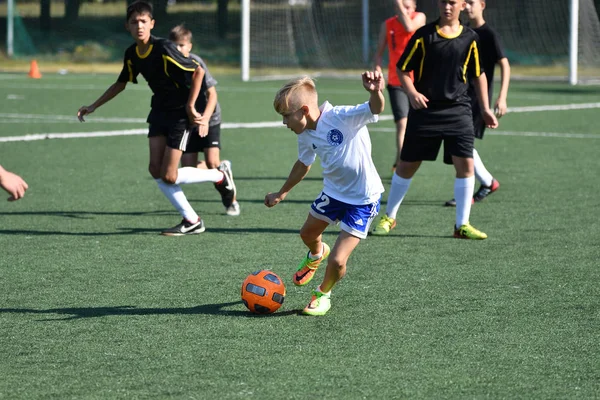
[394,34]
[491,53]
[442,55]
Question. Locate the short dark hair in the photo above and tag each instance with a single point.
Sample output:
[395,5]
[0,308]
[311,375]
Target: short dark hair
[180,32]
[139,7]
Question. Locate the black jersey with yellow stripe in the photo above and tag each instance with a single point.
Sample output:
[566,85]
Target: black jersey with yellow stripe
[442,64]
[167,71]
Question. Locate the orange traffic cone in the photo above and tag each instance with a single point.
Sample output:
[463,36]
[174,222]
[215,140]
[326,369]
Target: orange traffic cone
[34,71]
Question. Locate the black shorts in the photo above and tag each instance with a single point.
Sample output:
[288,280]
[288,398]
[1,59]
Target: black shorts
[426,130]
[173,125]
[399,102]
[197,144]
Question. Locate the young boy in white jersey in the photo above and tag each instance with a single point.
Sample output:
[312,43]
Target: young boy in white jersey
[352,187]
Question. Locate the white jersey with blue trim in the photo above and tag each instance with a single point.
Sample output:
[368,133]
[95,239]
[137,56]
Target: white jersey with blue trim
[343,144]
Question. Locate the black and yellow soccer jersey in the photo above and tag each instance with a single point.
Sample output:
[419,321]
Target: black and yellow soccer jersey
[167,71]
[442,65]
[490,52]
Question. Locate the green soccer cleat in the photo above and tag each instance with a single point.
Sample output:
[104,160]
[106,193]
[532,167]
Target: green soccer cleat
[466,231]
[385,225]
[308,267]
[319,304]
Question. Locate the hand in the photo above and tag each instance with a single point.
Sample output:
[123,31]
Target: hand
[500,108]
[490,119]
[272,199]
[373,81]
[404,10]
[194,116]
[203,129]
[85,110]
[417,100]
[13,184]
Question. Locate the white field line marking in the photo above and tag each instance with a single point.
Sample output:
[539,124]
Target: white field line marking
[524,134]
[12,117]
[144,131]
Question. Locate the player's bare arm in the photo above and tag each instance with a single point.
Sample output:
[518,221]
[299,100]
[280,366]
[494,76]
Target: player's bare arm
[109,94]
[381,43]
[298,172]
[193,115]
[374,83]
[410,24]
[417,100]
[482,97]
[211,104]
[501,106]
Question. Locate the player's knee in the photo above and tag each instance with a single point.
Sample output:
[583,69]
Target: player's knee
[211,164]
[338,265]
[306,235]
[169,177]
[154,171]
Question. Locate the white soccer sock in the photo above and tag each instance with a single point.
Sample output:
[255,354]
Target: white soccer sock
[463,194]
[481,173]
[197,175]
[397,192]
[318,255]
[319,290]
[178,199]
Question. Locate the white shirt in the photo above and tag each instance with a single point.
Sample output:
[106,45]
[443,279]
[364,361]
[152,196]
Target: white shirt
[343,144]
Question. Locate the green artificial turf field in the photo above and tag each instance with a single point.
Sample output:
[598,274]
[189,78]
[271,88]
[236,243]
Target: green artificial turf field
[95,304]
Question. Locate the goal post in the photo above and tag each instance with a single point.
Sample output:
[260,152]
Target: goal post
[548,39]
[574,41]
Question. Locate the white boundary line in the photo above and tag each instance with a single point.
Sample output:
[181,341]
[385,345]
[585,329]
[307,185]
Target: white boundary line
[40,118]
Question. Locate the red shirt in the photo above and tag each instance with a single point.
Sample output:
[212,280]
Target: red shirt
[397,38]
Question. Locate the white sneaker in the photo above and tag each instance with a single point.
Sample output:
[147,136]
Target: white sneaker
[233,209]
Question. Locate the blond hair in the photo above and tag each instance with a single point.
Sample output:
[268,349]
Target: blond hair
[180,32]
[295,94]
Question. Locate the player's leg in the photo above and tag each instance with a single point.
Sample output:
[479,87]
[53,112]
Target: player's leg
[189,173]
[211,146]
[171,176]
[400,131]
[488,184]
[189,159]
[355,224]
[401,119]
[415,149]
[311,234]
[213,160]
[400,107]
[212,157]
[324,211]
[320,301]
[461,149]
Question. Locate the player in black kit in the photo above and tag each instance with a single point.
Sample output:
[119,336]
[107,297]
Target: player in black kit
[175,82]
[442,55]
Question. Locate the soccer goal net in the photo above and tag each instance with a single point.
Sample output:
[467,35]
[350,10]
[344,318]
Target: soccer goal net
[329,37]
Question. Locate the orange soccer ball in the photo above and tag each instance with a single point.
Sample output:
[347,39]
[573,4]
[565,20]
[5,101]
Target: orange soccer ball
[263,292]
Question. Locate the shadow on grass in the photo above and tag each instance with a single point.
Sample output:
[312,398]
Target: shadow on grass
[95,312]
[137,231]
[87,214]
